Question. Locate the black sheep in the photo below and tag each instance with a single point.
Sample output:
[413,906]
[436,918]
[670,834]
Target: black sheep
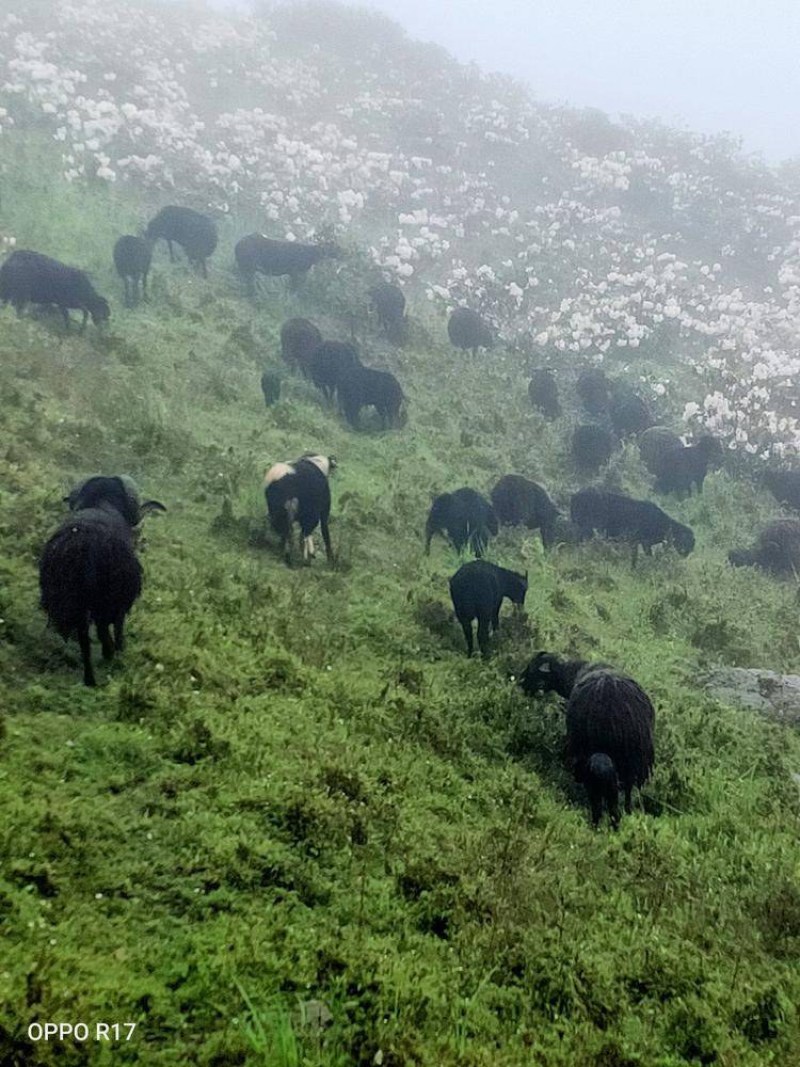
[329,363]
[132,257]
[477,590]
[32,278]
[390,305]
[518,501]
[610,726]
[680,469]
[362,386]
[592,389]
[784,486]
[592,446]
[271,387]
[467,330]
[195,233]
[299,338]
[654,443]
[300,492]
[89,572]
[257,254]
[776,551]
[629,414]
[465,516]
[543,392]
[640,522]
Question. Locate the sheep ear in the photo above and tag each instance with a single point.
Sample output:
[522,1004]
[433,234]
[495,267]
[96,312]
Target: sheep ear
[151,505]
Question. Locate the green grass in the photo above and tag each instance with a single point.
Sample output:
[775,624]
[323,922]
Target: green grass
[294,787]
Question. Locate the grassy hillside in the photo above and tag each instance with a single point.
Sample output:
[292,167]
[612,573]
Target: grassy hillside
[294,787]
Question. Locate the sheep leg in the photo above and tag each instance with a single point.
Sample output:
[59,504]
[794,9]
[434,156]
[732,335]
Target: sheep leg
[467,628]
[86,653]
[65,315]
[171,251]
[119,635]
[483,637]
[628,805]
[144,286]
[326,538]
[203,268]
[106,643]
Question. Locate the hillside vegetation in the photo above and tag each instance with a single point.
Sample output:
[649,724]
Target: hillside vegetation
[293,788]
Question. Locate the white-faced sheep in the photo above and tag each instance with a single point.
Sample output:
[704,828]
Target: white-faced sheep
[299,492]
[89,572]
[195,233]
[477,590]
[465,516]
[31,278]
[610,727]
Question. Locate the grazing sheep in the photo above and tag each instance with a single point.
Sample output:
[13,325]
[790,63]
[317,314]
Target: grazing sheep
[543,393]
[655,443]
[299,492]
[390,304]
[784,486]
[518,501]
[362,386]
[467,330]
[680,469]
[299,338]
[629,414]
[271,387]
[638,521]
[89,572]
[592,446]
[132,257]
[592,390]
[257,254]
[330,363]
[31,278]
[465,516]
[195,233]
[610,726]
[776,551]
[477,590]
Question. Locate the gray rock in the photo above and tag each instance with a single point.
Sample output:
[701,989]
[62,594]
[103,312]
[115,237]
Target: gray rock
[777,696]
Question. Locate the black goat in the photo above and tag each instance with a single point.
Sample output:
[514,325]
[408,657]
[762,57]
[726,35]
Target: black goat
[299,338]
[592,390]
[466,329]
[784,486]
[640,522]
[257,254]
[329,363]
[592,446]
[31,278]
[89,572]
[680,469]
[300,492]
[465,516]
[518,501]
[360,387]
[390,305]
[543,392]
[477,590]
[610,726]
[195,233]
[132,258]
[776,551]
[654,443]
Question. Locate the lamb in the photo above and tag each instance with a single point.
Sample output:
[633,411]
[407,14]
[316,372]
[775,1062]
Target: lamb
[257,254]
[362,386]
[656,442]
[390,305]
[518,501]
[477,590]
[329,363]
[195,233]
[776,551]
[32,278]
[680,469]
[610,727]
[637,521]
[132,257]
[592,446]
[592,389]
[467,330]
[543,393]
[465,516]
[784,486]
[299,338]
[629,414]
[89,572]
[300,492]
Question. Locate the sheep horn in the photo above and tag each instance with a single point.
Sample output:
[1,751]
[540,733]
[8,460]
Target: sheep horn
[151,505]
